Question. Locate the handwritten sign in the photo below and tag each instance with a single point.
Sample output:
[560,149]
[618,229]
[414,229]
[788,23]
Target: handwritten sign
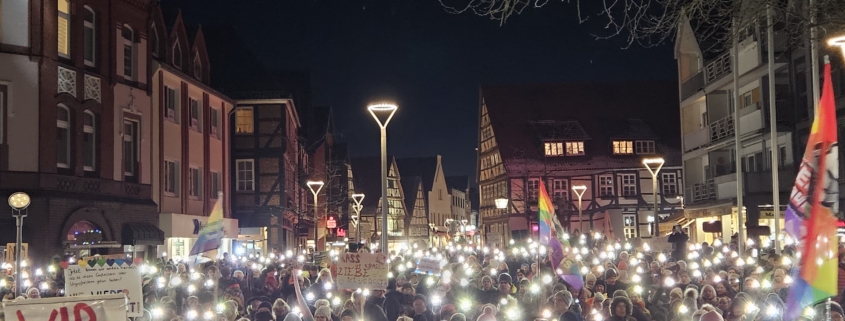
[106,276]
[362,270]
[428,265]
[78,308]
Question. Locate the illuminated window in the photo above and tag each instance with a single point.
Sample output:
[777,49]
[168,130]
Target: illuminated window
[89,39]
[62,136]
[645,147]
[629,226]
[244,120]
[606,185]
[574,148]
[554,149]
[64,29]
[89,140]
[629,184]
[623,147]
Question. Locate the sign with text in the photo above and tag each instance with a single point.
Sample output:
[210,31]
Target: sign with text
[362,270]
[106,276]
[10,252]
[428,265]
[78,308]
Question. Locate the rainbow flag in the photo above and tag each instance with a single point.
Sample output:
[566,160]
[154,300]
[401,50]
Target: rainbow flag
[212,233]
[564,265]
[816,192]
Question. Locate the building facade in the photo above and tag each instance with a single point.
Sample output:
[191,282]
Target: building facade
[66,152]
[416,222]
[188,130]
[549,138]
[367,180]
[438,201]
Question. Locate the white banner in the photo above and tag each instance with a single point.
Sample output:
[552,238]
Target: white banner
[428,265]
[362,270]
[79,308]
[106,276]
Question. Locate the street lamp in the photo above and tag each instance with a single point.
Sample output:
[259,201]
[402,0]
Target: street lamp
[386,111]
[19,202]
[315,187]
[357,198]
[654,165]
[579,191]
[838,42]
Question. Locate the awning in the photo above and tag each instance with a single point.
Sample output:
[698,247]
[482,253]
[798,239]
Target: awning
[679,218]
[725,207]
[142,234]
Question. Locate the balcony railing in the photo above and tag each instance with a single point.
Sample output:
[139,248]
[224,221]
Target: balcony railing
[692,85]
[718,68]
[703,191]
[721,129]
[74,184]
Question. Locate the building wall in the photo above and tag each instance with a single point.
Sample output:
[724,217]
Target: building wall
[19,83]
[439,202]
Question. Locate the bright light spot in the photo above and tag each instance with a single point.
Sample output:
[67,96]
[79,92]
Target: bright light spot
[466,305]
[670,282]
[547,279]
[683,309]
[436,300]
[771,310]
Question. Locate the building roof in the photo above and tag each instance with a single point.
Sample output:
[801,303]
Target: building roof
[410,186]
[460,183]
[423,167]
[524,116]
[366,175]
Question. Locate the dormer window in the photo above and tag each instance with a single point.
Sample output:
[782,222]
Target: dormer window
[197,67]
[623,147]
[574,148]
[553,149]
[645,147]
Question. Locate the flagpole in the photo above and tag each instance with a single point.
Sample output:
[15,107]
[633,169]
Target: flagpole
[737,142]
[773,127]
[814,57]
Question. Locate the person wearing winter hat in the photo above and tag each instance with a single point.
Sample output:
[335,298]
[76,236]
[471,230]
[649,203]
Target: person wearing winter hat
[610,277]
[590,281]
[348,315]
[836,312]
[621,309]
[323,313]
[712,316]
[600,287]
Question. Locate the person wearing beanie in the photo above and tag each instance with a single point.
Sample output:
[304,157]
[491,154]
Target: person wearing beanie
[610,277]
[348,315]
[590,281]
[622,266]
[836,312]
[621,309]
[600,287]
[562,303]
[323,313]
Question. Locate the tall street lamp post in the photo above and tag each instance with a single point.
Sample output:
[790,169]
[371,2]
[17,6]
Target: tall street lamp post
[315,187]
[19,202]
[579,191]
[382,113]
[357,198]
[654,165]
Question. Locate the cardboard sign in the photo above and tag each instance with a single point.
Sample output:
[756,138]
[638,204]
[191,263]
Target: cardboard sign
[79,308]
[10,252]
[428,265]
[362,271]
[106,276]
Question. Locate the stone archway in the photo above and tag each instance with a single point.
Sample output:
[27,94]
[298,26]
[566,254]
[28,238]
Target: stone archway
[89,215]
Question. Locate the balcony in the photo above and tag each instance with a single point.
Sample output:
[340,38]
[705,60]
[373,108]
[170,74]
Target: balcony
[722,129]
[46,182]
[750,119]
[702,191]
[718,68]
[692,85]
[761,182]
[696,139]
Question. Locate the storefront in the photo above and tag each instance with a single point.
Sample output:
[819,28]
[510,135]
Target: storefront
[181,231]
[716,221]
[251,240]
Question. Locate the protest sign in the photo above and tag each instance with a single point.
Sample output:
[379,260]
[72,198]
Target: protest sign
[106,276]
[362,270]
[428,265]
[78,308]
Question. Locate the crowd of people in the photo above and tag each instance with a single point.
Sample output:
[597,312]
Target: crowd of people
[622,281]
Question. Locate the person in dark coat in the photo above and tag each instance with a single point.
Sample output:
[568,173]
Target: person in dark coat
[679,241]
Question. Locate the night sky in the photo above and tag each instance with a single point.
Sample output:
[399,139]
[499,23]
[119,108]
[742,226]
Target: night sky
[428,61]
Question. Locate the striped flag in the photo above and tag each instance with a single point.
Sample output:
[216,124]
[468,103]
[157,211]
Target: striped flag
[550,227]
[212,233]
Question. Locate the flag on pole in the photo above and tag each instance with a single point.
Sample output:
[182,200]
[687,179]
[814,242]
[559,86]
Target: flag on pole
[809,216]
[212,233]
[550,229]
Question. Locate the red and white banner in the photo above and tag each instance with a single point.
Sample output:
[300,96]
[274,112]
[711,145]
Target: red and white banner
[78,308]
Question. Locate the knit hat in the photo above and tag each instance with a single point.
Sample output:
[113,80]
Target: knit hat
[590,277]
[566,296]
[610,273]
[265,304]
[324,311]
[505,277]
[834,308]
[622,265]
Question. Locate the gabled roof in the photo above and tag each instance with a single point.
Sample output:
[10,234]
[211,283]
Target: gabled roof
[423,167]
[602,111]
[460,183]
[410,185]
[366,175]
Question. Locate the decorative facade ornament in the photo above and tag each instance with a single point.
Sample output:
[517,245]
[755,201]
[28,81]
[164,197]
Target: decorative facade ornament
[92,88]
[67,81]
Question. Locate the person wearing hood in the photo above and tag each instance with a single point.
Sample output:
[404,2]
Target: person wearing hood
[621,309]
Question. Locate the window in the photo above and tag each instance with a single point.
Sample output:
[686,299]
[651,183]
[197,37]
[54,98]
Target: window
[63,137]
[439,194]
[623,147]
[606,185]
[560,189]
[574,148]
[216,184]
[197,67]
[64,29]
[177,55]
[128,52]
[171,104]
[629,184]
[245,176]
[89,40]
[533,188]
[629,226]
[130,147]
[171,178]
[746,99]
[154,40]
[89,141]
[554,149]
[645,147]
[670,184]
[196,115]
[243,120]
[196,183]
[215,122]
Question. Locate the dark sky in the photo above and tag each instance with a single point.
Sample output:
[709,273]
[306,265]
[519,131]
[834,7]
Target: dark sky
[428,61]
